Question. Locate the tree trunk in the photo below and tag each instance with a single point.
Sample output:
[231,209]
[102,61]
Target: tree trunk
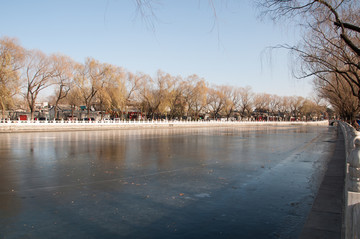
[55,112]
[101,110]
[72,112]
[32,111]
[88,111]
[31,114]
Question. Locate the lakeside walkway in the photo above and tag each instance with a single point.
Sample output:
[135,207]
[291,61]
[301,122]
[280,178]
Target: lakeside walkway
[326,216]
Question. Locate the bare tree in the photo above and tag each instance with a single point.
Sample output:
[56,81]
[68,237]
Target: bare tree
[246,101]
[38,73]
[63,78]
[274,104]
[132,84]
[295,103]
[310,110]
[341,14]
[284,107]
[74,99]
[216,100]
[338,93]
[331,42]
[261,104]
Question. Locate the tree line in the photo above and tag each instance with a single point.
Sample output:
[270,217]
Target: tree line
[25,74]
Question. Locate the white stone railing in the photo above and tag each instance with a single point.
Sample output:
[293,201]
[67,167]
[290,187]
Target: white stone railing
[17,126]
[43,124]
[2,122]
[352,180]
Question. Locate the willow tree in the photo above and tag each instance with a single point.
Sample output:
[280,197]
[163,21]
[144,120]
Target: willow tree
[195,94]
[112,94]
[154,94]
[232,100]
[11,61]
[176,99]
[90,78]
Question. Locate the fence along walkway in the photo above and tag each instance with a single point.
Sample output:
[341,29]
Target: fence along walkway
[352,181]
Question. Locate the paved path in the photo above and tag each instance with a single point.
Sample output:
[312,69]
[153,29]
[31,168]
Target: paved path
[325,218]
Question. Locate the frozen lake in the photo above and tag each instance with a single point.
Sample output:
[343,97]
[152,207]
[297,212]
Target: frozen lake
[245,182]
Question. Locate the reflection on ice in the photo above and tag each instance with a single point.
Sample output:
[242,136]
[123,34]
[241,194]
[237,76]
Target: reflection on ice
[136,183]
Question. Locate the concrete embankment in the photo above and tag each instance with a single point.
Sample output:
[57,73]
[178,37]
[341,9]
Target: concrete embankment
[17,126]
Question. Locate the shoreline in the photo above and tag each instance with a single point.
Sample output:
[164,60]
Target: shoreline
[19,127]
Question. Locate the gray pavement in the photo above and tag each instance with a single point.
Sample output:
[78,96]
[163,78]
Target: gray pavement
[325,218]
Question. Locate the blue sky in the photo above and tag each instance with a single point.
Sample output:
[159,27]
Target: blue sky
[184,40]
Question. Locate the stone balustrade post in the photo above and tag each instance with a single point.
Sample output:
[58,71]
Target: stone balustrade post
[352,136]
[354,167]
